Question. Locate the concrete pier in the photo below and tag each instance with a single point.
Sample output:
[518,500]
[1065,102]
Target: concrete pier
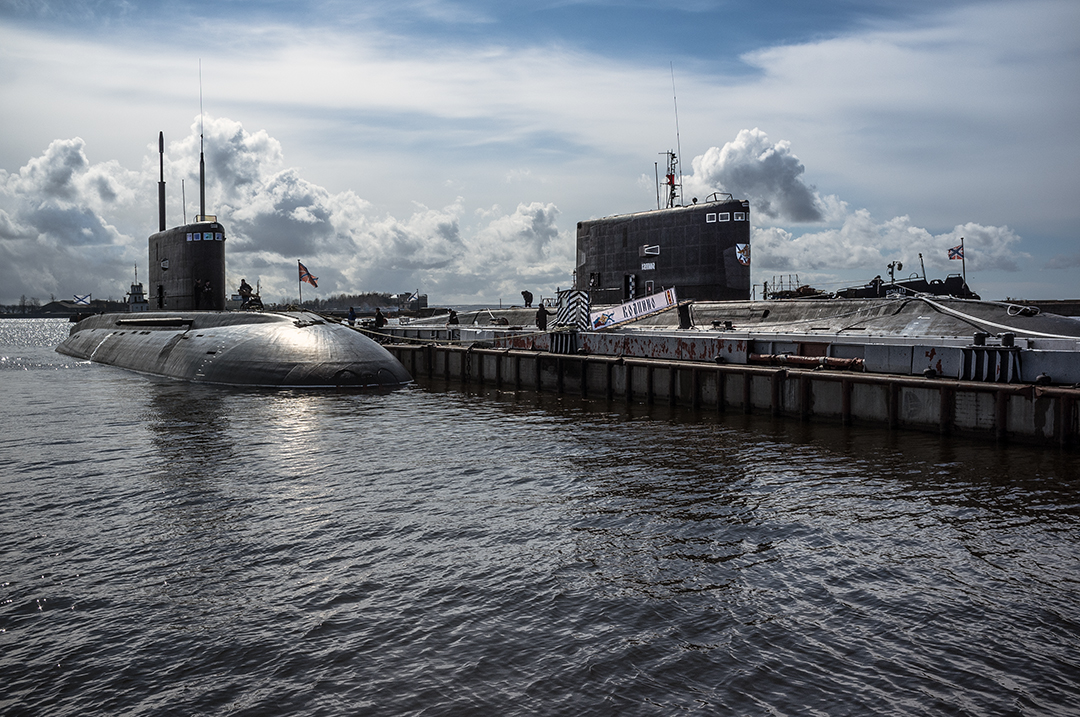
[1045,415]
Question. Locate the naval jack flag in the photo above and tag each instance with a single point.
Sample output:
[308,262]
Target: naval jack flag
[307,276]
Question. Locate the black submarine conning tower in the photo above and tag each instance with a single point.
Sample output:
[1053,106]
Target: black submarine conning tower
[187,263]
[702,250]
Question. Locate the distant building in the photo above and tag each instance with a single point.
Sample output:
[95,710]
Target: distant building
[137,298]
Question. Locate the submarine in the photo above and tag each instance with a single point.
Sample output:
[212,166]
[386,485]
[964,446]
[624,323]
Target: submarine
[673,283]
[186,333]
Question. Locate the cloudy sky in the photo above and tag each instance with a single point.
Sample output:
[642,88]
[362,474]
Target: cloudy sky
[452,146]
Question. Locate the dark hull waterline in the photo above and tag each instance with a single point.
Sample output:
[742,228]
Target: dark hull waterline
[236,349]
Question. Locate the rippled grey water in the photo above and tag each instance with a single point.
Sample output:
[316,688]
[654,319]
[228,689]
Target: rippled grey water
[174,549]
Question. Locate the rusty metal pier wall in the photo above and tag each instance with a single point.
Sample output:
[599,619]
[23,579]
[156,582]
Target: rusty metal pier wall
[1023,412]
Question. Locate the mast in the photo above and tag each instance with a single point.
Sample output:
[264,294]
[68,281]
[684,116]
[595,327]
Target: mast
[656,171]
[202,182]
[678,140]
[673,174]
[202,161]
[161,181]
[963,261]
[671,178]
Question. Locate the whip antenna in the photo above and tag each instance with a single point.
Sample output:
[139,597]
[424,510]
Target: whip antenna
[678,143]
[202,161]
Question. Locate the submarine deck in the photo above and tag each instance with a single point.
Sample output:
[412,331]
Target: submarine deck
[275,349]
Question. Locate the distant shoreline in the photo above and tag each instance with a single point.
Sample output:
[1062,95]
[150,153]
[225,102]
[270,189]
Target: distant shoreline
[1061,307]
[36,316]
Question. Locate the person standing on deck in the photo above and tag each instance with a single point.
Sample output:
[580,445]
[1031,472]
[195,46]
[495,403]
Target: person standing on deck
[542,315]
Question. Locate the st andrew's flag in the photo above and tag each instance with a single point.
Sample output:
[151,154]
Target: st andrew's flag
[82,300]
[305,275]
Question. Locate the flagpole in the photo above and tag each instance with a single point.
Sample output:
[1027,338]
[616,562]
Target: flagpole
[963,260]
[299,284]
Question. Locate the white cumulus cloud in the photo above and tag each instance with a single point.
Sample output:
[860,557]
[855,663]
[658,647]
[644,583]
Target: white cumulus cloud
[751,167]
[865,244]
[770,175]
[85,225]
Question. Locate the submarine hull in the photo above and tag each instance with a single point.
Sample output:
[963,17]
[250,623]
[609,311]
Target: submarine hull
[237,349]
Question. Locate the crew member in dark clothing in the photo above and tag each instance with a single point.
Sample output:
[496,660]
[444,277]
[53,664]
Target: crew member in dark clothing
[541,317]
[380,320]
[453,317]
[527,295]
[245,292]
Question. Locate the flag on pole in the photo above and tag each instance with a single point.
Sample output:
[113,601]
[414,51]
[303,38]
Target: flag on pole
[414,297]
[82,300]
[305,275]
[957,252]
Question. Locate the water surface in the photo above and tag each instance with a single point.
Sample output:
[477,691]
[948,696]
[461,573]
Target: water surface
[169,548]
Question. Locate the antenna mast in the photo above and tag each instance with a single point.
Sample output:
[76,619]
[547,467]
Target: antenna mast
[656,171]
[673,175]
[202,161]
[671,180]
[161,183]
[676,165]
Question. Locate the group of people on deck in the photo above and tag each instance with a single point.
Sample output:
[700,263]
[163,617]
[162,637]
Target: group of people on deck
[380,317]
[542,314]
[380,320]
